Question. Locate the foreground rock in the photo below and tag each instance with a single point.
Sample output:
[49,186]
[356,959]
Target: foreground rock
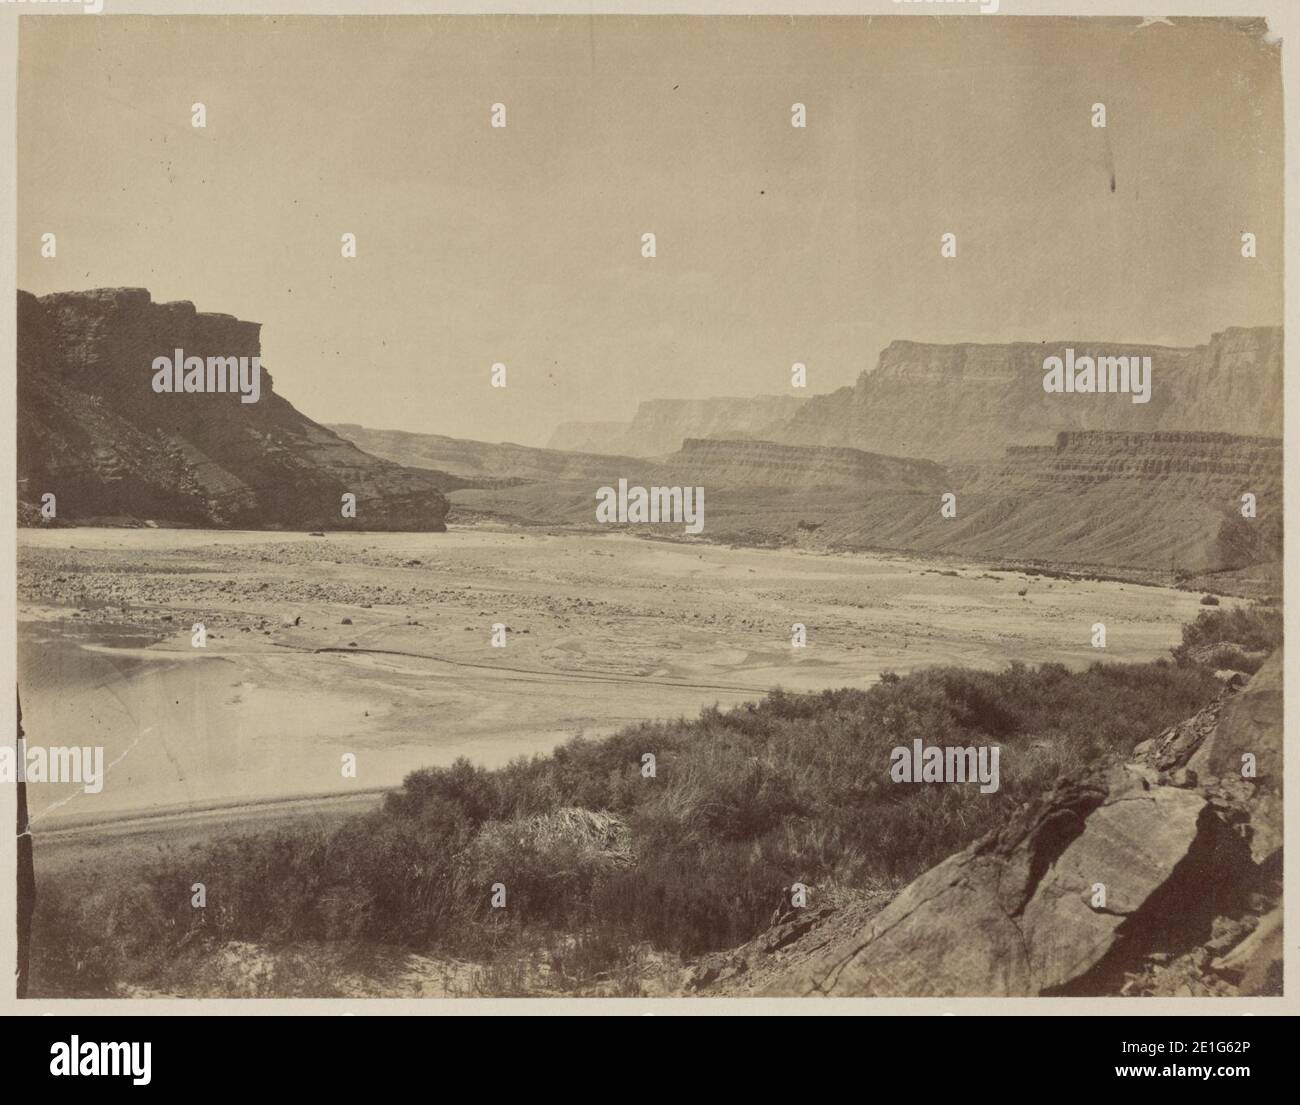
[1186,851]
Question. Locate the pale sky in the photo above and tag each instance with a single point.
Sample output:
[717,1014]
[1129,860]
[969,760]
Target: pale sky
[523,245]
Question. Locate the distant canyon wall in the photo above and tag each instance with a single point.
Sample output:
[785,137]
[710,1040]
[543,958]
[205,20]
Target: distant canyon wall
[661,425]
[969,402]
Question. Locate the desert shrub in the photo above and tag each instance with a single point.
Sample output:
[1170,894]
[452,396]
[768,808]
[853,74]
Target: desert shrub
[390,878]
[549,864]
[1256,627]
[744,802]
[472,791]
[543,883]
[720,794]
[1241,543]
[691,895]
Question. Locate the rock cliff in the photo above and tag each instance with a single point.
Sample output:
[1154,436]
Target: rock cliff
[1226,461]
[963,402]
[1160,500]
[93,432]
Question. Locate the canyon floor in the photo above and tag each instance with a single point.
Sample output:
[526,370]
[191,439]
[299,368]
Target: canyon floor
[379,645]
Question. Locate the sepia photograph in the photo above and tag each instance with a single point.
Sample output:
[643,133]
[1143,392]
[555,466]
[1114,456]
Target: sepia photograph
[720,508]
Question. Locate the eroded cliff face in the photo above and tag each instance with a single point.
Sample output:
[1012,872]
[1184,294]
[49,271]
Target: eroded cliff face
[968,402]
[94,433]
[1158,501]
[1222,461]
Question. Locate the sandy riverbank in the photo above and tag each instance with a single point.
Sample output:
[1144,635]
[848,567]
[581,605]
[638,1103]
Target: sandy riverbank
[379,645]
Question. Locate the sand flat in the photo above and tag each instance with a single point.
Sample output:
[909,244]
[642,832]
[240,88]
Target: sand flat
[269,708]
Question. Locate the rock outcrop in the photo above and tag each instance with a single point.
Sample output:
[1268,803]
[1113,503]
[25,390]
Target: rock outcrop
[92,431]
[1161,875]
[1093,498]
[971,402]
[1167,500]
[1225,461]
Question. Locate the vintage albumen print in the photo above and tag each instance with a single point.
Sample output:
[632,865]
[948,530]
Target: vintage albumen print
[649,506]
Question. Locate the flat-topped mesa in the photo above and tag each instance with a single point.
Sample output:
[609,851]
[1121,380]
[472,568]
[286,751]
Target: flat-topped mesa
[121,329]
[970,401]
[98,432]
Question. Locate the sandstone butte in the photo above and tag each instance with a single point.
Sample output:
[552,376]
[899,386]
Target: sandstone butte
[93,433]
